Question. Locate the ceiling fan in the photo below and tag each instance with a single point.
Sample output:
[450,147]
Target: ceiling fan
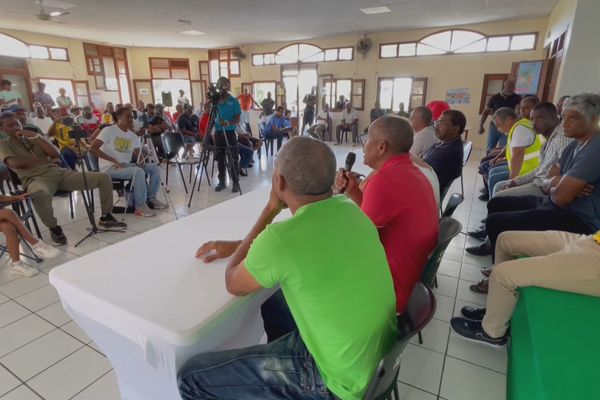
[43,15]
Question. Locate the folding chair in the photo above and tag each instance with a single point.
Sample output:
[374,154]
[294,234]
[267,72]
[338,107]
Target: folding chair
[467,149]
[173,143]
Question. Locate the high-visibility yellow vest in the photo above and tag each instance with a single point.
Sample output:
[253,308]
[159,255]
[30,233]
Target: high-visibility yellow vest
[531,160]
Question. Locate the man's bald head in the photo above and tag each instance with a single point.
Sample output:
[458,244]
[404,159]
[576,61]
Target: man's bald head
[307,165]
[395,131]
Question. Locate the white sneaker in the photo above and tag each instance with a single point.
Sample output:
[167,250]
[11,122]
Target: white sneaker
[144,211]
[23,269]
[159,205]
[44,250]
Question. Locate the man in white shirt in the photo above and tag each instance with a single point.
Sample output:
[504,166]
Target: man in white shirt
[9,97]
[424,138]
[319,128]
[349,123]
[115,147]
[41,120]
[182,99]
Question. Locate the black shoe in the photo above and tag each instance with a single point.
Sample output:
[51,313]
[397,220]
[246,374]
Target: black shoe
[486,271]
[243,173]
[58,236]
[220,187]
[472,330]
[250,165]
[150,204]
[474,313]
[484,197]
[235,188]
[484,249]
[480,234]
[483,190]
[108,221]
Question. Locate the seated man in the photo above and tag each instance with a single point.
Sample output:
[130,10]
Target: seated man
[408,225]
[116,147]
[340,292]
[421,119]
[21,116]
[547,124]
[60,132]
[446,157]
[41,120]
[157,125]
[319,129]
[557,260]
[188,127]
[34,160]
[275,126]
[574,197]
[522,152]
[289,130]
[349,123]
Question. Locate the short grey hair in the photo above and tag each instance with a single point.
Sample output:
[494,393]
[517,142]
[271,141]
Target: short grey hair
[587,104]
[505,113]
[307,165]
[425,113]
[396,131]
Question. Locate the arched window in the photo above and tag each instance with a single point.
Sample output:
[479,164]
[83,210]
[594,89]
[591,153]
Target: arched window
[9,46]
[298,53]
[448,42]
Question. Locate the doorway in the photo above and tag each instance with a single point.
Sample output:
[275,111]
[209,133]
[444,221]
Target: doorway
[15,70]
[298,80]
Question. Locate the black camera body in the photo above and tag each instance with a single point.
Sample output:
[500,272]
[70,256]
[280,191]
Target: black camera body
[213,94]
[78,133]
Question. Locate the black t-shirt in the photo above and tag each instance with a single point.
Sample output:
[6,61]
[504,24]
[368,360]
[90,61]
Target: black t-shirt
[446,159]
[498,101]
[188,122]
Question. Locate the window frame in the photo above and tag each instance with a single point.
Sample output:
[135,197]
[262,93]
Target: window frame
[170,67]
[215,54]
[332,98]
[117,54]
[414,79]
[323,50]
[454,52]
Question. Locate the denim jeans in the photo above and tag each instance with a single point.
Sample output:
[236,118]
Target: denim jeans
[495,137]
[277,317]
[142,191]
[246,156]
[495,175]
[69,157]
[283,369]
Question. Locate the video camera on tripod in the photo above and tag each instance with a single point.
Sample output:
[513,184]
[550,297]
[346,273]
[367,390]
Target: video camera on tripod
[214,94]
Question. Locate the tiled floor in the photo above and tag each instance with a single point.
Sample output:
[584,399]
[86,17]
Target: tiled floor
[44,355]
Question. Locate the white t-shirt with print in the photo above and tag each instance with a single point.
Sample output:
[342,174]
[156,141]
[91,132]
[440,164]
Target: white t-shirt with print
[322,118]
[522,137]
[349,117]
[117,144]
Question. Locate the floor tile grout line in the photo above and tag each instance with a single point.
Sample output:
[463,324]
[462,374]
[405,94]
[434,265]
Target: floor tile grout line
[415,387]
[26,344]
[102,376]
[54,363]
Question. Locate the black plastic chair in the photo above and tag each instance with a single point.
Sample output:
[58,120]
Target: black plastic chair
[119,185]
[173,143]
[419,311]
[449,229]
[467,149]
[453,202]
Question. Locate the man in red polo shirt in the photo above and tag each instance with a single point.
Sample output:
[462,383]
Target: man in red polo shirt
[246,102]
[399,200]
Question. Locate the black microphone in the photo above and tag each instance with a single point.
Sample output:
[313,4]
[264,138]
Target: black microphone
[350,160]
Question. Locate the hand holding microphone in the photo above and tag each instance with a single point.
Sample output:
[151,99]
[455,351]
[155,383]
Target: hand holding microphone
[345,180]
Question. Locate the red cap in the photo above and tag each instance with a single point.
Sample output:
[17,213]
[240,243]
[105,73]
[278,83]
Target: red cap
[437,108]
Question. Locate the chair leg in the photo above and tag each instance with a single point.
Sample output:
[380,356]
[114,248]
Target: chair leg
[462,184]
[435,282]
[71,205]
[182,177]
[167,176]
[396,394]
[420,338]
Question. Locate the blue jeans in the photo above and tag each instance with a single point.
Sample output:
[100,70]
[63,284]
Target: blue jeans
[277,317]
[495,137]
[142,192]
[69,157]
[246,156]
[283,369]
[497,174]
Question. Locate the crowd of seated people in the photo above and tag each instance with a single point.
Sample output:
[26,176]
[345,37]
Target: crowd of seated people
[541,228]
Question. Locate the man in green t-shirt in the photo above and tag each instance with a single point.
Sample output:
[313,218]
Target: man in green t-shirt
[333,272]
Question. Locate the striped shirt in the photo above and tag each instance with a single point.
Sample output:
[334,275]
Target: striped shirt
[549,156]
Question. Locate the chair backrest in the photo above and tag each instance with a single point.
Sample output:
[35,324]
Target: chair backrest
[449,229]
[384,379]
[467,149]
[453,202]
[172,143]
[418,312]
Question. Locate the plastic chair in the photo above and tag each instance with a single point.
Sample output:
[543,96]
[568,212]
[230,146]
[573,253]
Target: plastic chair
[269,142]
[453,202]
[449,229]
[173,143]
[467,149]
[419,311]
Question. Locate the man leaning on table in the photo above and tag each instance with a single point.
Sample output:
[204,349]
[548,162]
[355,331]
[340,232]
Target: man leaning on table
[340,292]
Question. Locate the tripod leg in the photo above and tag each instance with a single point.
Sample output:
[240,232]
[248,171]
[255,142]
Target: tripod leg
[182,178]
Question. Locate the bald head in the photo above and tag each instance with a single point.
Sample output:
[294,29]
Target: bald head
[395,131]
[307,165]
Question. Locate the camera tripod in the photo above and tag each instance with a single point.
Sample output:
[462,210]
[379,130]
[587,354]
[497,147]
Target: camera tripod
[78,134]
[205,154]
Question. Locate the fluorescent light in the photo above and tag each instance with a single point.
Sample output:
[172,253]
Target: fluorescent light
[375,10]
[192,32]
[55,13]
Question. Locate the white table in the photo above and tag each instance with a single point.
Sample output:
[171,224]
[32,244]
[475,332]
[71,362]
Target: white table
[150,305]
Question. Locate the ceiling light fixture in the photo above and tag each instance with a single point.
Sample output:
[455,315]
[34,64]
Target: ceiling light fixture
[192,32]
[375,10]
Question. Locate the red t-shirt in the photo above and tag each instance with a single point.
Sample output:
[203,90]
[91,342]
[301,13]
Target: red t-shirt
[203,124]
[400,201]
[245,101]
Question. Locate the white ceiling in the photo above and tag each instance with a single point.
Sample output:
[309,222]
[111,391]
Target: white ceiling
[153,23]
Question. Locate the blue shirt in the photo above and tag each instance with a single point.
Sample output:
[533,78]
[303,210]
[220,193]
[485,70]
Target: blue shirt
[583,163]
[228,110]
[446,159]
[274,121]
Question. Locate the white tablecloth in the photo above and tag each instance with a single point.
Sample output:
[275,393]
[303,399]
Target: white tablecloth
[150,305]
